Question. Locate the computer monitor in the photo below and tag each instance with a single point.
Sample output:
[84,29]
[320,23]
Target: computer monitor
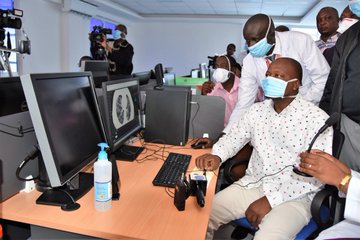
[121,110]
[12,98]
[68,127]
[159,75]
[169,79]
[143,77]
[99,70]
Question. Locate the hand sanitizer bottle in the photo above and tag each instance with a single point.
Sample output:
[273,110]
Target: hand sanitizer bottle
[102,180]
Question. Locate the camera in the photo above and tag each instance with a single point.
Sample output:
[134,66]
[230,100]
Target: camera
[96,37]
[9,19]
[184,189]
[212,60]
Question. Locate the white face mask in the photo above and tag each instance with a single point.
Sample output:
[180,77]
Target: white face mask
[346,23]
[221,75]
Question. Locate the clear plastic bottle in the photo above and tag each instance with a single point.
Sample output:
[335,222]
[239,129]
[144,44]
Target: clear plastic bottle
[102,180]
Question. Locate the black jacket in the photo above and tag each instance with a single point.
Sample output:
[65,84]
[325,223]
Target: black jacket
[331,100]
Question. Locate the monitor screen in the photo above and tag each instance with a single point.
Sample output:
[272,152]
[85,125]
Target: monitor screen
[99,70]
[121,110]
[12,98]
[66,120]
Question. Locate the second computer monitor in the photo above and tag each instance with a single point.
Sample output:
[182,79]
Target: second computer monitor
[99,70]
[121,110]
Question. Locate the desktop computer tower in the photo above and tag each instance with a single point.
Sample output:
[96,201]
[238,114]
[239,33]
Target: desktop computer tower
[167,113]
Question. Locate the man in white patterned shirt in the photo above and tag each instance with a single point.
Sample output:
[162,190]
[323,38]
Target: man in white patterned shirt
[272,197]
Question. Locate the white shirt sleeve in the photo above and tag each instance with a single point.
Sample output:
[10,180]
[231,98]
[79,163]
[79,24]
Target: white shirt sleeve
[352,205]
[317,69]
[248,88]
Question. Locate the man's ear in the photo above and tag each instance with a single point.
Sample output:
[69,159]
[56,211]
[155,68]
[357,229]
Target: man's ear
[296,85]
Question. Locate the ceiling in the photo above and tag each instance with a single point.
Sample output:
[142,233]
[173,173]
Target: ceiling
[289,11]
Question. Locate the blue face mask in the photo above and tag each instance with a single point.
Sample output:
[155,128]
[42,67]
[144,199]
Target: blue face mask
[355,7]
[117,34]
[275,87]
[262,47]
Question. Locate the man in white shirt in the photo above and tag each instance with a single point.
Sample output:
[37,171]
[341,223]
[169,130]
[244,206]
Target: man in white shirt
[271,196]
[331,171]
[265,44]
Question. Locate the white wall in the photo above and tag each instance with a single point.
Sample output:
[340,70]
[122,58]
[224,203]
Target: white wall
[59,39]
[180,45]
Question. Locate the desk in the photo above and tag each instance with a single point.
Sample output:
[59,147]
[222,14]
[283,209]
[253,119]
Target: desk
[143,211]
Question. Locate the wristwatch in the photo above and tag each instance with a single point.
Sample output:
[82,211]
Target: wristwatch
[344,181]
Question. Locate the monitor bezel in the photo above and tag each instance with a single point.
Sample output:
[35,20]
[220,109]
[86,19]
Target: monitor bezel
[55,177]
[115,146]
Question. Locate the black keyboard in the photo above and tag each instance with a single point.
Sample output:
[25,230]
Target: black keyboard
[174,166]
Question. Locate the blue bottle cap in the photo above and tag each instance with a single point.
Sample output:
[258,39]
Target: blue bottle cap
[103,154]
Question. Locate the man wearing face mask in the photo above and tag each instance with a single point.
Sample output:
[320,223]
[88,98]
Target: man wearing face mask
[120,52]
[341,92]
[226,84]
[265,45]
[273,198]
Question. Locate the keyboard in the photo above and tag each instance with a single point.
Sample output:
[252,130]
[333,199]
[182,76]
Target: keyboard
[174,166]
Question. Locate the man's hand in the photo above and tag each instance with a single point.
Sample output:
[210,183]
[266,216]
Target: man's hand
[208,162]
[208,143]
[207,87]
[257,210]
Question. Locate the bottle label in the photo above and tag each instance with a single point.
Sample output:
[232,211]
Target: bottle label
[102,191]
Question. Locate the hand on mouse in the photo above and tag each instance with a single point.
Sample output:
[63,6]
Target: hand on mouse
[203,143]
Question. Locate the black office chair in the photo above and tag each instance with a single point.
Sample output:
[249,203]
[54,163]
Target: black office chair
[323,207]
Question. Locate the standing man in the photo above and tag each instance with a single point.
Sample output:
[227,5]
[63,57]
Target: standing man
[120,53]
[327,22]
[265,45]
[341,92]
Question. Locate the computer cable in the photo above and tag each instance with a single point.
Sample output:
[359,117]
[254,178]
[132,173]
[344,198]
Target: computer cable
[32,155]
[273,174]
[192,120]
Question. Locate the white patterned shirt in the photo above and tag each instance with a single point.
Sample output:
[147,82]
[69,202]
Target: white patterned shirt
[278,139]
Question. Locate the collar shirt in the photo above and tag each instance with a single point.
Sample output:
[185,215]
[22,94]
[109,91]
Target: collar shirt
[330,42]
[278,139]
[296,45]
[229,97]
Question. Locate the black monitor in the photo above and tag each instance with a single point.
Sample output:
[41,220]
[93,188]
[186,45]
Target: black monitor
[12,98]
[143,77]
[99,70]
[68,127]
[159,75]
[121,110]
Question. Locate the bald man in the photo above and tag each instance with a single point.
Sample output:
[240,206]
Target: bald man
[273,198]
[265,45]
[327,22]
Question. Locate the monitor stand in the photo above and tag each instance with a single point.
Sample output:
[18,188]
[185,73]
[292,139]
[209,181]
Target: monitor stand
[128,153]
[59,196]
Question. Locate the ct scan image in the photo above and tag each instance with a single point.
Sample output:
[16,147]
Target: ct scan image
[122,108]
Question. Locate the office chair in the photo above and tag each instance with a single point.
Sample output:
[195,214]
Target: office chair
[323,207]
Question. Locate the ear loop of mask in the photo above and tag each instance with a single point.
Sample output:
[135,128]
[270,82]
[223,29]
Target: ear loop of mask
[268,29]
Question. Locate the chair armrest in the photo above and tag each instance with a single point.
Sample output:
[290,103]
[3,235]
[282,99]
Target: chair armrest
[323,206]
[235,167]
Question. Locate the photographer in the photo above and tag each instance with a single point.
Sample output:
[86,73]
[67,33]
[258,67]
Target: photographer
[120,52]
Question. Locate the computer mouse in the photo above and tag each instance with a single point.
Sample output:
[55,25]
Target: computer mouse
[199,145]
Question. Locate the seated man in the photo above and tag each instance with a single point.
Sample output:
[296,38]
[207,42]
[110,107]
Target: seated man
[331,171]
[226,86]
[270,195]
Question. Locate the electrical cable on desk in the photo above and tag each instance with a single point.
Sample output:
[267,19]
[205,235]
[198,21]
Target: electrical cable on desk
[169,192]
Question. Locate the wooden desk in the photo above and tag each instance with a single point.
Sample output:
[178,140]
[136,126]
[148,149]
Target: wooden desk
[143,211]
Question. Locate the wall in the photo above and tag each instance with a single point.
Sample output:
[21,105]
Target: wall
[59,39]
[180,45]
